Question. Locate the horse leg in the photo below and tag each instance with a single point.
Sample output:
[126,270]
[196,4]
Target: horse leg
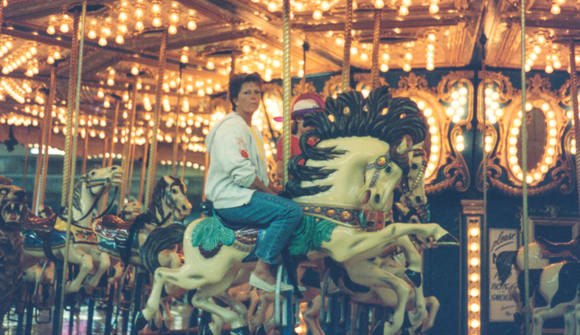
[543,313]
[414,274]
[202,300]
[103,264]
[569,322]
[347,244]
[577,317]
[85,263]
[182,277]
[432,304]
[236,306]
[312,316]
[118,273]
[382,283]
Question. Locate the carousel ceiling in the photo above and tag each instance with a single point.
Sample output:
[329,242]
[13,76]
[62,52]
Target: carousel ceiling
[207,38]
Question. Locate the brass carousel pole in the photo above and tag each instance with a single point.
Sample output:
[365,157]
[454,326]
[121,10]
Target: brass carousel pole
[376,46]
[71,136]
[152,166]
[85,152]
[116,131]
[347,44]
[574,98]
[127,150]
[286,86]
[42,143]
[143,166]
[524,132]
[176,139]
[48,135]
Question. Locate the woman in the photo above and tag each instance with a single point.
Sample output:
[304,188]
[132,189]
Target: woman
[238,184]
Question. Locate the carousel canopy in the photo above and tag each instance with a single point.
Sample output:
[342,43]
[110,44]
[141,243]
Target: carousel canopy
[207,40]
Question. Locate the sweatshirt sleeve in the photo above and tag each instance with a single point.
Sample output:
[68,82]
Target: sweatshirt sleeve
[230,149]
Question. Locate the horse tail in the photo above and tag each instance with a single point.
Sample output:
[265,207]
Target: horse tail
[159,240]
[137,224]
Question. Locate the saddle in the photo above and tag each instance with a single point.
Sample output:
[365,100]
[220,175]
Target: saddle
[38,224]
[113,232]
[209,237]
[566,249]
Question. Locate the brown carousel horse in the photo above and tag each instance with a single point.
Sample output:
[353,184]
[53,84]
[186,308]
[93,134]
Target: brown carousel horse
[362,144]
[13,220]
[557,283]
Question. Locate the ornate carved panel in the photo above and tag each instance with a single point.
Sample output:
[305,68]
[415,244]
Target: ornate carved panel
[548,165]
[448,110]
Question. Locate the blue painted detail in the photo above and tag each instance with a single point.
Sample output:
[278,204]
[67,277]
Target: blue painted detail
[32,241]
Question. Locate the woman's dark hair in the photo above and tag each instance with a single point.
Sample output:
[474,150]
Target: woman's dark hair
[238,80]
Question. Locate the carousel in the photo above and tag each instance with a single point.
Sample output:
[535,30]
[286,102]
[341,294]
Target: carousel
[436,166]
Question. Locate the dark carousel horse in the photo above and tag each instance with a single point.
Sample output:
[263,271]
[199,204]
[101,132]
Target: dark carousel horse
[554,288]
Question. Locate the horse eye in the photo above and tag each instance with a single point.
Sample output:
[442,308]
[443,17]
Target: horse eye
[414,166]
[388,169]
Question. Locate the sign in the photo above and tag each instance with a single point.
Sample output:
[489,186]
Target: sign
[503,243]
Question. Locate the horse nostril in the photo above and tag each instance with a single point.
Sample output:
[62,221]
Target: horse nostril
[418,199]
[377,198]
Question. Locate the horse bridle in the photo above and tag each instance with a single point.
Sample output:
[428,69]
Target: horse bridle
[90,185]
[409,187]
[170,202]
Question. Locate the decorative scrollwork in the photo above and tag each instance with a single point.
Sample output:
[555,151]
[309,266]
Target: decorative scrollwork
[553,168]
[446,167]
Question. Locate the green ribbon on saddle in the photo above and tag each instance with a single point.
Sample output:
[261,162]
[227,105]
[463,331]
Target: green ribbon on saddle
[310,234]
[210,234]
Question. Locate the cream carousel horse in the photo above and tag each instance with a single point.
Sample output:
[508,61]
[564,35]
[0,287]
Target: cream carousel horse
[361,142]
[557,283]
[88,190]
[405,261]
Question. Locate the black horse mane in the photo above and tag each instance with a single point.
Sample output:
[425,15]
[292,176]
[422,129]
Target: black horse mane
[503,262]
[149,217]
[380,116]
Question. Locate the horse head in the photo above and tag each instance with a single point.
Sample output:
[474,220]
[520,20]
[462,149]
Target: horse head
[169,199]
[89,190]
[381,177]
[100,180]
[130,210]
[536,257]
[12,207]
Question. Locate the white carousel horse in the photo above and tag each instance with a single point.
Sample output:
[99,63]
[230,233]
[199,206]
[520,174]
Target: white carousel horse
[557,283]
[354,152]
[12,209]
[408,265]
[84,252]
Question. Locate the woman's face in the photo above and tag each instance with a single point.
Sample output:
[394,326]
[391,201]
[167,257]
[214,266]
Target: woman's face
[248,99]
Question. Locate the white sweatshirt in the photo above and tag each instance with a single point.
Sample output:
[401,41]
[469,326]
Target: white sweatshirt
[235,161]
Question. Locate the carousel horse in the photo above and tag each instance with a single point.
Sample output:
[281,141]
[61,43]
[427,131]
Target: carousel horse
[558,283]
[88,191]
[343,211]
[408,263]
[12,209]
[124,240]
[13,213]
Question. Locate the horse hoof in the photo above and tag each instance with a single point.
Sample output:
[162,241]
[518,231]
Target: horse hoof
[140,321]
[447,239]
[240,331]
